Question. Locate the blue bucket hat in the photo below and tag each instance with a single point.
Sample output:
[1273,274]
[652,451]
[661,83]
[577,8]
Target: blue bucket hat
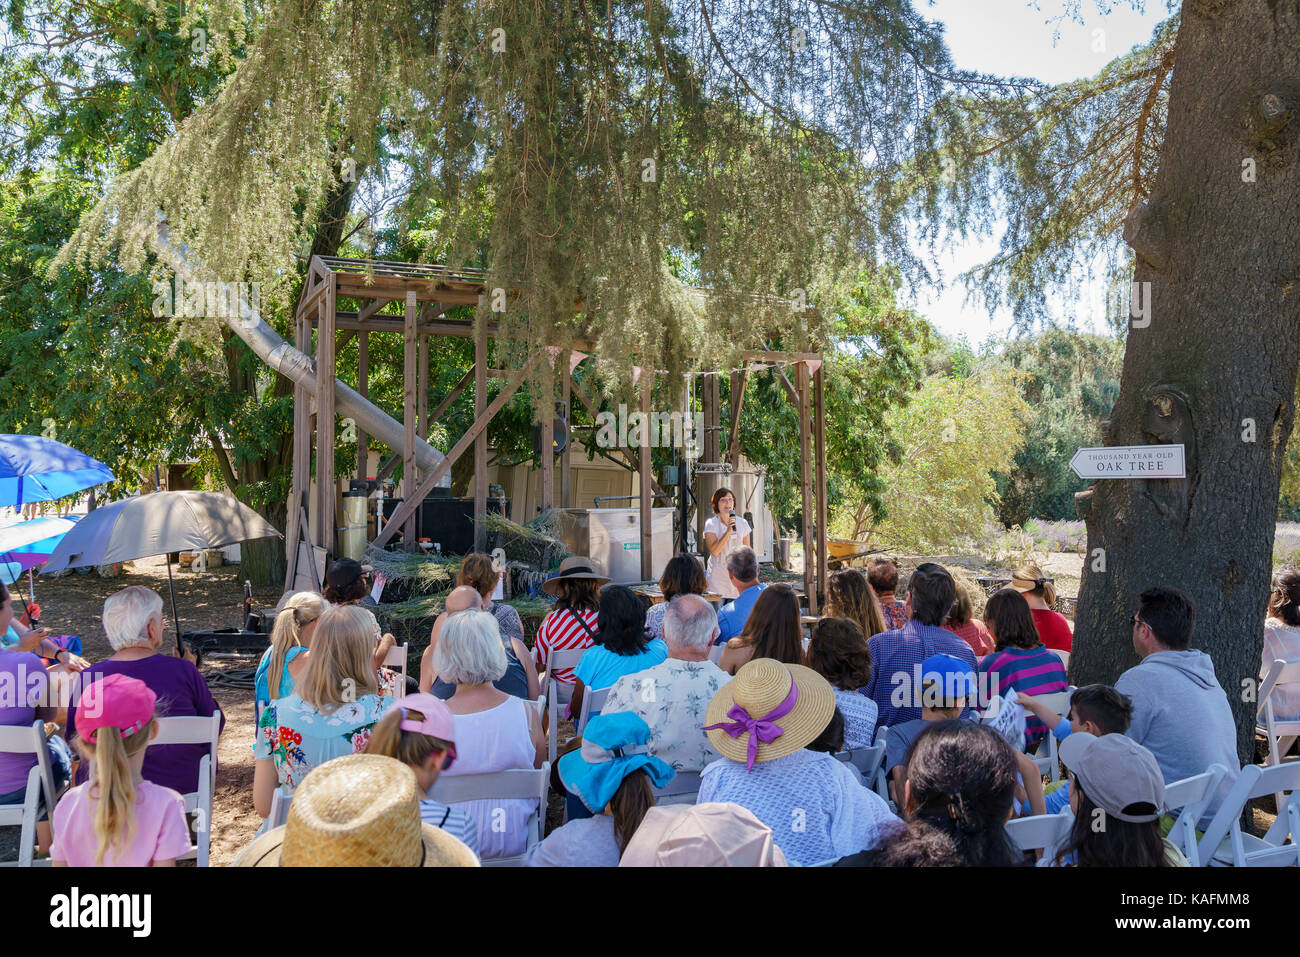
[613,746]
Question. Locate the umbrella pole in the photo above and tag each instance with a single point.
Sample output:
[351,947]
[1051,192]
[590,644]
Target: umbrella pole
[171,586]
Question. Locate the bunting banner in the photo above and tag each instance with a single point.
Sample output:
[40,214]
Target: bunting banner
[575,357]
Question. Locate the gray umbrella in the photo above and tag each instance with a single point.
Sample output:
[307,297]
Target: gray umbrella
[157,524]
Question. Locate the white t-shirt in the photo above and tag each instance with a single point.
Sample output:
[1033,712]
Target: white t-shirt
[1281,641]
[719,581]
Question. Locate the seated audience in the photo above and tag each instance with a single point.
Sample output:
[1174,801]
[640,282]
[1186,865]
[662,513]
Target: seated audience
[673,696]
[120,819]
[762,723]
[284,661]
[838,653]
[896,654]
[772,631]
[615,777]
[742,570]
[1282,637]
[520,678]
[1097,709]
[963,623]
[1180,712]
[702,835]
[420,731]
[347,582]
[1019,661]
[883,576]
[683,575]
[849,595]
[959,795]
[622,647]
[573,622]
[494,731]
[1053,628]
[947,684]
[334,705]
[134,626]
[25,673]
[461,598]
[1117,794]
[358,810]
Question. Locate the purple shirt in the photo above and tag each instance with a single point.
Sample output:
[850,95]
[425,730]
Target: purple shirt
[24,686]
[181,692]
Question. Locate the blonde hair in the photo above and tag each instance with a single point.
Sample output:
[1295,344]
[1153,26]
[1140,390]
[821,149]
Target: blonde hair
[341,667]
[1043,588]
[410,747]
[301,609]
[113,789]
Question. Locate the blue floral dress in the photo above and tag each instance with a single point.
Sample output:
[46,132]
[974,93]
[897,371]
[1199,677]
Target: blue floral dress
[297,736]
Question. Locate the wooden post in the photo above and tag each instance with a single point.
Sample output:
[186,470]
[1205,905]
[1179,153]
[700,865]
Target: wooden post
[805,486]
[823,532]
[363,386]
[566,462]
[738,382]
[647,543]
[325,370]
[480,441]
[301,461]
[712,399]
[410,414]
[548,443]
[422,387]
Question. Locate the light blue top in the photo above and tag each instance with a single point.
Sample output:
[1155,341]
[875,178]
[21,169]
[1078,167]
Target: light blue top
[734,614]
[600,668]
[10,638]
[260,690]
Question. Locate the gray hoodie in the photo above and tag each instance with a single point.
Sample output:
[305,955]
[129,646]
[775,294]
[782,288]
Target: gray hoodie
[1182,716]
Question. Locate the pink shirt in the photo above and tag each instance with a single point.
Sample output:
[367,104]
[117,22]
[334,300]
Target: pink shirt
[160,830]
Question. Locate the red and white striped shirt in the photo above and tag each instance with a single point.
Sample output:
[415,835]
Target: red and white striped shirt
[560,631]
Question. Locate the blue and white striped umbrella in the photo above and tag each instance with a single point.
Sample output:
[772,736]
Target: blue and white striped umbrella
[36,469]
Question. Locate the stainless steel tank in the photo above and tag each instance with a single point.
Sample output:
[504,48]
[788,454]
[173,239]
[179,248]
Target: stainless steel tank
[352,531]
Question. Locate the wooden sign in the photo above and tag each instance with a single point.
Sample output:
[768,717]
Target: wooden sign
[1130,461]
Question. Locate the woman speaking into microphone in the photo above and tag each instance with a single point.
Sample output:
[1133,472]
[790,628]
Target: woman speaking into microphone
[723,534]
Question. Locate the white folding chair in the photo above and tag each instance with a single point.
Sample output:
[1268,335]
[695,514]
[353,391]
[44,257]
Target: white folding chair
[196,730]
[1042,832]
[682,789]
[397,659]
[1190,797]
[501,786]
[1280,734]
[1246,850]
[868,761]
[279,815]
[715,652]
[25,739]
[558,693]
[1064,656]
[592,702]
[1046,756]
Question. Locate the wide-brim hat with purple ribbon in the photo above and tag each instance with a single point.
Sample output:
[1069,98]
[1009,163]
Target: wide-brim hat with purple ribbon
[787,707]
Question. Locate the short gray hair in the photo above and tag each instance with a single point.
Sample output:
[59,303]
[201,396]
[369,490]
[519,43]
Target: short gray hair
[743,564]
[690,622]
[127,614]
[469,649]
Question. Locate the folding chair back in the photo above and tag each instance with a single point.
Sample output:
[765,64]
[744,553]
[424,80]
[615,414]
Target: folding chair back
[1042,832]
[522,784]
[1278,847]
[682,789]
[397,659]
[715,652]
[592,702]
[1046,756]
[558,693]
[279,815]
[197,730]
[1190,797]
[880,784]
[866,760]
[28,739]
[1280,733]
[1064,656]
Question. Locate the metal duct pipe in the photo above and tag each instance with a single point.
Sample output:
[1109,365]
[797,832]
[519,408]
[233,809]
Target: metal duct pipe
[295,366]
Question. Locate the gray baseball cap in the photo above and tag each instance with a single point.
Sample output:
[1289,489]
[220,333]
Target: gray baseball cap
[1115,772]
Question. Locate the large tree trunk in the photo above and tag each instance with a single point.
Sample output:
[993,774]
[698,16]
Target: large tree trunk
[1215,369]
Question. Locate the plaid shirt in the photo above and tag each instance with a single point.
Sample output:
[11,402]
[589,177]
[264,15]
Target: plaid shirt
[896,658]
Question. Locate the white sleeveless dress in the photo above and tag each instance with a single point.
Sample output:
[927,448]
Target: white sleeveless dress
[719,582]
[496,740]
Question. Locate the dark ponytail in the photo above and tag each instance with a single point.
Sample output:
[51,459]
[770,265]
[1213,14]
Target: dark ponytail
[630,804]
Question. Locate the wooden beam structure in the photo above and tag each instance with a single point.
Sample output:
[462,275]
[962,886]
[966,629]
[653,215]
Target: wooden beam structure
[363,386]
[566,455]
[325,369]
[647,524]
[738,382]
[805,487]
[819,435]
[410,415]
[480,441]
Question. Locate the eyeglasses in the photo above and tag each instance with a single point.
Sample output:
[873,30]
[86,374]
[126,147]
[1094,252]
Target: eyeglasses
[1138,621]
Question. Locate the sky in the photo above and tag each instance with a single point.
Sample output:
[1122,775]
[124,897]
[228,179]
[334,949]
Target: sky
[1011,37]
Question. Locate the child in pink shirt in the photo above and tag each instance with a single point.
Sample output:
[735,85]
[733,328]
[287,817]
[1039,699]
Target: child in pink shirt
[118,819]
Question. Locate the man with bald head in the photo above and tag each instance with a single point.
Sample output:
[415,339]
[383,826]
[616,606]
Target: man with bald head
[461,598]
[673,695]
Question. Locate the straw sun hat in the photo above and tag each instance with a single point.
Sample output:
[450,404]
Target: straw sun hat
[575,566]
[782,707]
[360,810]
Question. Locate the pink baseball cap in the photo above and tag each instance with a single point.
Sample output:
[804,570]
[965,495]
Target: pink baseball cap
[114,701]
[438,720]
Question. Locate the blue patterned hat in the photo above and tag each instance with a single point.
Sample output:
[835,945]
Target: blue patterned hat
[613,746]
